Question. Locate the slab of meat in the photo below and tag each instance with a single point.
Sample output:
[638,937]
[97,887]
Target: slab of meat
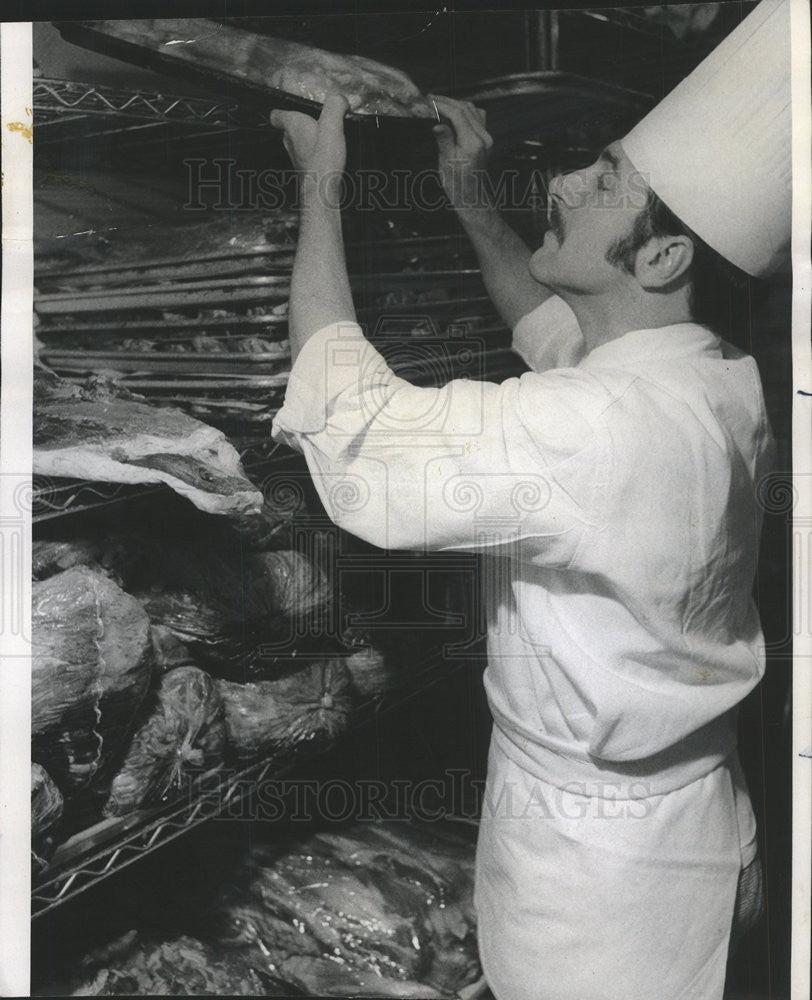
[369,86]
[46,812]
[326,977]
[91,667]
[311,706]
[183,735]
[99,434]
[361,912]
[182,966]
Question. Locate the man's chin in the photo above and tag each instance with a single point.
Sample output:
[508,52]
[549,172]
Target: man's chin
[541,265]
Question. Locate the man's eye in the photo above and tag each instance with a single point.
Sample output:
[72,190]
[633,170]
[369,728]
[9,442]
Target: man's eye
[603,183]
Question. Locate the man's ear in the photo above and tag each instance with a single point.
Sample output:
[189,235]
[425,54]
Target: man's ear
[663,260]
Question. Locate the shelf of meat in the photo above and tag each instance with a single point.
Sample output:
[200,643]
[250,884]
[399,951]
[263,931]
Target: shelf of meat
[372,908]
[108,846]
[174,673]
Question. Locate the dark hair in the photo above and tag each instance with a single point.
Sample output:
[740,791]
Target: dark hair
[722,296]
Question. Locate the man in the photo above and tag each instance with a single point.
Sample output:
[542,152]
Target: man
[612,491]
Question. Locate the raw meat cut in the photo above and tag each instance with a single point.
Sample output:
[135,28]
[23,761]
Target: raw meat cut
[51,557]
[99,434]
[359,912]
[46,812]
[369,86]
[183,966]
[183,735]
[325,977]
[372,672]
[311,706]
[243,615]
[91,666]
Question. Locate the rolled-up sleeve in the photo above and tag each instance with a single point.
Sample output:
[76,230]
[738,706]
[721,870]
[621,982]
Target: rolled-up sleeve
[470,465]
[549,337]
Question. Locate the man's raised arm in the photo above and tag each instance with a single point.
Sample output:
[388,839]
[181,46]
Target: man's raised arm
[503,256]
[319,289]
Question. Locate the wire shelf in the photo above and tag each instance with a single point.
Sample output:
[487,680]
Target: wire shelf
[63,100]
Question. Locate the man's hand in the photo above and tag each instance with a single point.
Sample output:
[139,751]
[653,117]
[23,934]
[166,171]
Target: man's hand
[316,147]
[463,146]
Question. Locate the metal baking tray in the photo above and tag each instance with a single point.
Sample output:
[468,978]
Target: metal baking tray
[231,261]
[550,102]
[249,96]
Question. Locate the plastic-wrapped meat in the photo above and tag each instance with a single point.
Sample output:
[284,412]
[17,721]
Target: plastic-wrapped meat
[260,345]
[335,911]
[327,977]
[372,671]
[49,557]
[167,649]
[360,912]
[311,706]
[207,345]
[46,811]
[183,966]
[91,668]
[119,556]
[287,582]
[137,344]
[183,735]
[420,871]
[243,615]
[369,87]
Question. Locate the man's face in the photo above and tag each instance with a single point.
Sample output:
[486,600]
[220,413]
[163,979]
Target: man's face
[589,210]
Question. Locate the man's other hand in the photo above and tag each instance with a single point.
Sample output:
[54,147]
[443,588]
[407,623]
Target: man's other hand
[463,144]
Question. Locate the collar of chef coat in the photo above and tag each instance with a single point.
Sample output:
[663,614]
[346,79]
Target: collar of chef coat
[665,343]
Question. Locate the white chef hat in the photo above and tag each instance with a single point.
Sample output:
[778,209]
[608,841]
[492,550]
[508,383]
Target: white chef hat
[717,149]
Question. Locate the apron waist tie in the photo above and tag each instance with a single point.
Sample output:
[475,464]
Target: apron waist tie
[580,773]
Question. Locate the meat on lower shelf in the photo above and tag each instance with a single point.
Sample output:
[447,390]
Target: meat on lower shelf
[379,909]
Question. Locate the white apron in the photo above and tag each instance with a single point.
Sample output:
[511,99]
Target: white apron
[588,898]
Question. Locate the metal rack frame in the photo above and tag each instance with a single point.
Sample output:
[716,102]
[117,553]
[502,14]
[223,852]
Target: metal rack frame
[66,100]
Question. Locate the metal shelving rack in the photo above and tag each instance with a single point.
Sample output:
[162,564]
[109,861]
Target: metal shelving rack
[63,112]
[60,101]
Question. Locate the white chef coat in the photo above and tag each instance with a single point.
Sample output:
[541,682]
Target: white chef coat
[615,499]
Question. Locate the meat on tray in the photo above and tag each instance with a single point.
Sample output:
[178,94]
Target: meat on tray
[142,249]
[369,87]
[104,434]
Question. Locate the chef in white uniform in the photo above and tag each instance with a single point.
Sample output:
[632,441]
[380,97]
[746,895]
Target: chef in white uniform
[613,492]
